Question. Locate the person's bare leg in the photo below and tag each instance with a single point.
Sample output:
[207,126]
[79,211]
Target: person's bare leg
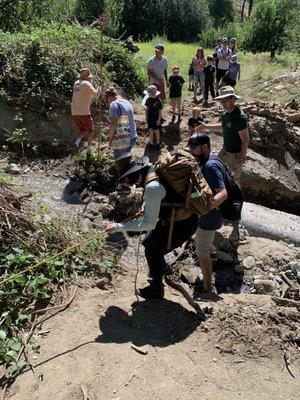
[157,135]
[206,268]
[179,108]
[151,136]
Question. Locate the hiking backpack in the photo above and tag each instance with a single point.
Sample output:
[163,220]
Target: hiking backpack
[231,208]
[180,172]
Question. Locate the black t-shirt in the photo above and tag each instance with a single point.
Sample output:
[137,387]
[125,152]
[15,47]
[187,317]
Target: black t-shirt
[209,71]
[193,122]
[153,105]
[176,83]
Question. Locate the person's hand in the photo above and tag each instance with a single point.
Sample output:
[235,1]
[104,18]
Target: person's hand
[199,128]
[158,122]
[111,227]
[238,166]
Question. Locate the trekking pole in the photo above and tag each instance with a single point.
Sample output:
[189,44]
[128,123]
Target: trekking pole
[102,21]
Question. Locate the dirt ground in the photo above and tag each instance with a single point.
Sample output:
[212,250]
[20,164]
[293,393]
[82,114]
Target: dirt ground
[237,353]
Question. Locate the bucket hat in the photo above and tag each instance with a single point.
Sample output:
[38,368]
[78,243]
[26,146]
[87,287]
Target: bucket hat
[226,91]
[135,166]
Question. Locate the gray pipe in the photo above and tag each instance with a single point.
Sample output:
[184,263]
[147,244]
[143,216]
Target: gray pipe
[264,222]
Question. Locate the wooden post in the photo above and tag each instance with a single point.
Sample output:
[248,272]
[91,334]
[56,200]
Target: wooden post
[102,21]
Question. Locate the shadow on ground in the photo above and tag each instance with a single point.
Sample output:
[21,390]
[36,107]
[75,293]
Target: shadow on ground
[158,323]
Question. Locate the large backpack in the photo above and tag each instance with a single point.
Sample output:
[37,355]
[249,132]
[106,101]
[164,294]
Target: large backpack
[180,171]
[231,208]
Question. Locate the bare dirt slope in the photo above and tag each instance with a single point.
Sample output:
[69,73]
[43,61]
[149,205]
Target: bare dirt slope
[237,353]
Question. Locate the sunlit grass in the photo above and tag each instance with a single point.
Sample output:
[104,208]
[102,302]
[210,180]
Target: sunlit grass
[256,68]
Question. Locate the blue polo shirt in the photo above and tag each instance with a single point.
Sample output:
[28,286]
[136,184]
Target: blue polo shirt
[214,174]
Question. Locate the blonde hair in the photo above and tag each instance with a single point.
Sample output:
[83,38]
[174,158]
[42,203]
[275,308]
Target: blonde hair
[196,110]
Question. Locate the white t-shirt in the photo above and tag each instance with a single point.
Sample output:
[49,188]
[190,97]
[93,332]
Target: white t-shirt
[224,53]
[157,66]
[83,92]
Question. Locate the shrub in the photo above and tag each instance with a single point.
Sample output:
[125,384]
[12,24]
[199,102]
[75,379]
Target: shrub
[38,70]
[209,36]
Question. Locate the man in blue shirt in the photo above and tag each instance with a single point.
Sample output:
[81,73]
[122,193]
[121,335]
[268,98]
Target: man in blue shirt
[214,173]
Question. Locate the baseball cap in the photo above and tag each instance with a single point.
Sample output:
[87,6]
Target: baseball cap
[198,138]
[160,47]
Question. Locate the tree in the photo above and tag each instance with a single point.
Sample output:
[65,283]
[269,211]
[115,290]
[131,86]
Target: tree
[88,11]
[222,12]
[179,20]
[266,28]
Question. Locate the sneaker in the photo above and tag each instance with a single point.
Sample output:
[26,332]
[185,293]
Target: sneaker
[151,292]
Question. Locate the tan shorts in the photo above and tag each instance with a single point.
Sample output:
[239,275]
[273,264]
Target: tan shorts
[175,100]
[204,240]
[230,160]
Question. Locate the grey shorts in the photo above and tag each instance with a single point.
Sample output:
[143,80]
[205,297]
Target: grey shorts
[230,160]
[204,240]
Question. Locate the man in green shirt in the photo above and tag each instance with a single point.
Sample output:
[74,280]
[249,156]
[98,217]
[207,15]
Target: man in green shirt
[235,132]
[236,138]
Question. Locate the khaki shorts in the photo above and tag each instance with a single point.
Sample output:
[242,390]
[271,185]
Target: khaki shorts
[230,160]
[175,100]
[204,240]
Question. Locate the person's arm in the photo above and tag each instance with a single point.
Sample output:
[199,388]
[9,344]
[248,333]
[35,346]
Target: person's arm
[112,128]
[166,76]
[146,114]
[95,92]
[208,127]
[154,193]
[159,117]
[239,75]
[244,135]
[219,197]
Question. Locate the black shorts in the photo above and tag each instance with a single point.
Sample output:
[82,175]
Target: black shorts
[220,74]
[229,81]
[153,125]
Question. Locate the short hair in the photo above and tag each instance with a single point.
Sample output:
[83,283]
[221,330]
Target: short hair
[196,109]
[210,58]
[111,92]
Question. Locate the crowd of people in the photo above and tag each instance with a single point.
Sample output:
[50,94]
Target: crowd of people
[216,73]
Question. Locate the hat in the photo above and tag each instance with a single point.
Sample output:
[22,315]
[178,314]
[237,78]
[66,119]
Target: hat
[152,91]
[224,40]
[226,91]
[234,57]
[85,73]
[160,47]
[135,166]
[122,163]
[198,138]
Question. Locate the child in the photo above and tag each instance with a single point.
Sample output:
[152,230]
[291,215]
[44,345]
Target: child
[191,77]
[233,74]
[153,107]
[176,82]
[209,79]
[195,120]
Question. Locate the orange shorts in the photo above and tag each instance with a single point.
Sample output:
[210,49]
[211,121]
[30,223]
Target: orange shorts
[84,123]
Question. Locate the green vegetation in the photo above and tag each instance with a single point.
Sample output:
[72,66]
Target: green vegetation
[37,260]
[222,12]
[40,68]
[267,28]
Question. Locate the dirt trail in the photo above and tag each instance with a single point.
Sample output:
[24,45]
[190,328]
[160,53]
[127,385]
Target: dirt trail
[88,350]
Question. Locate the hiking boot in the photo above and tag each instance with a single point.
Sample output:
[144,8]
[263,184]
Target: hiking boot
[152,291]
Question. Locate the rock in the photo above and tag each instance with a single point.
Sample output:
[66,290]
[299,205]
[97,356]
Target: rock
[239,269]
[98,222]
[225,257]
[278,280]
[295,117]
[264,286]
[249,262]
[190,276]
[12,169]
[103,283]
[279,87]
[295,267]
[87,225]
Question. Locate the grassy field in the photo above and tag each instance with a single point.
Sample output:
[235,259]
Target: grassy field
[256,69]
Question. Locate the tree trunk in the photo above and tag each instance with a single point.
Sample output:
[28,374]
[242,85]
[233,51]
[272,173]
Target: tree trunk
[243,10]
[250,7]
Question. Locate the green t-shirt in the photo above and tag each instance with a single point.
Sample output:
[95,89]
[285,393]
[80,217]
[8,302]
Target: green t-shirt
[232,123]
